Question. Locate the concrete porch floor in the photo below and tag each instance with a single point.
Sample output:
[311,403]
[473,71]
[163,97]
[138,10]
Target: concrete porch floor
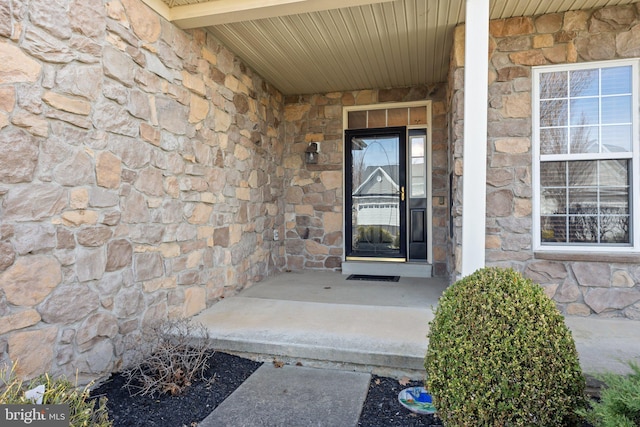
[321,319]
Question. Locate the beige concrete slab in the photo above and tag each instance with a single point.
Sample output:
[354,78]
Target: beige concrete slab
[605,345]
[321,316]
[334,288]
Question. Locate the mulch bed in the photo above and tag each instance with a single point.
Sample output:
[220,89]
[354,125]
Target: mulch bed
[381,407]
[186,409]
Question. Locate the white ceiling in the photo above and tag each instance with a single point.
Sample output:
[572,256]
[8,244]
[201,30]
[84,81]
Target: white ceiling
[319,46]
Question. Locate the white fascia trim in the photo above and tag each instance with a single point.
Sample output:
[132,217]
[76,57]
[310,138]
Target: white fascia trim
[474,178]
[231,11]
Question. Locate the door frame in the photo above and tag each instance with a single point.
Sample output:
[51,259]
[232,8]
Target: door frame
[427,104]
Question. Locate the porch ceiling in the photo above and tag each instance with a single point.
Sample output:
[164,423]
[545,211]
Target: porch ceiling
[318,46]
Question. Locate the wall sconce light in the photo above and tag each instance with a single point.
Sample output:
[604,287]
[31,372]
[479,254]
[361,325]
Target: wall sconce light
[311,154]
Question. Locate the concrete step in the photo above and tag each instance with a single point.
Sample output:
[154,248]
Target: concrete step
[370,336]
[372,326]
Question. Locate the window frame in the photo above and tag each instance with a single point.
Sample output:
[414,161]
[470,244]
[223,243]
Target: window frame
[634,181]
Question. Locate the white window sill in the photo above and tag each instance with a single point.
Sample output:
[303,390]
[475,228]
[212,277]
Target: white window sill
[613,257]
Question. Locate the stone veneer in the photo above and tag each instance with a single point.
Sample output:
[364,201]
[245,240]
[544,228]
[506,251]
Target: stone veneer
[314,193]
[140,178]
[581,285]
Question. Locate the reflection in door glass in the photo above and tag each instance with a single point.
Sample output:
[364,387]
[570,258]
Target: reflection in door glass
[375,195]
[418,173]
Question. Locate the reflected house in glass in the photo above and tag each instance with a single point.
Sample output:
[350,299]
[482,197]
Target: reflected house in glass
[376,208]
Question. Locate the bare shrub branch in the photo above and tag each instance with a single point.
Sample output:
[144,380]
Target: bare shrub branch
[167,357]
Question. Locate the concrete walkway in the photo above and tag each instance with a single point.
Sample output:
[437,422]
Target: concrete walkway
[293,396]
[376,327]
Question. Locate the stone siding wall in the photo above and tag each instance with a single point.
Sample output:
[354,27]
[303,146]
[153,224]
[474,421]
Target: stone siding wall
[140,178]
[581,285]
[314,193]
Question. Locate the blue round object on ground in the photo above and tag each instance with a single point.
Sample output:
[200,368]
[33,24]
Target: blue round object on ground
[416,399]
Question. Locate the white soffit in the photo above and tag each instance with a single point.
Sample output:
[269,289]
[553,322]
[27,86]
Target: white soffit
[390,44]
[319,46]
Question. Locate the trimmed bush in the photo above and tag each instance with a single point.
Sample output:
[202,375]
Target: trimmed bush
[83,411]
[619,404]
[500,355]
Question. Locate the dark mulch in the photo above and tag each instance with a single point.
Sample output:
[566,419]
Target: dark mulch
[187,409]
[381,407]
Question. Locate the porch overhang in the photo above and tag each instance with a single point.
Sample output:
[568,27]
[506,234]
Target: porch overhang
[322,46]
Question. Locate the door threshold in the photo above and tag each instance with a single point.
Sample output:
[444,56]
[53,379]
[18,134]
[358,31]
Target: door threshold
[376,259]
[379,268]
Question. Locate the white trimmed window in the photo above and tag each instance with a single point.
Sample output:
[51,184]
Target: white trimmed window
[586,178]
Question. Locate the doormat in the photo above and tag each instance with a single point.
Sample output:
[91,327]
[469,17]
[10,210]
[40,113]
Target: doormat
[372,278]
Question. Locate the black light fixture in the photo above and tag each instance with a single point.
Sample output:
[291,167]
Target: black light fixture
[311,154]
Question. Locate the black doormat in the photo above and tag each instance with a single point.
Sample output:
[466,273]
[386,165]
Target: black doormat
[373,278]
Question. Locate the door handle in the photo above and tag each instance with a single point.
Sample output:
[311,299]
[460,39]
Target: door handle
[402,193]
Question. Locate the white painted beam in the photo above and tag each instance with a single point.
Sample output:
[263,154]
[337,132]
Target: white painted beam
[220,12]
[474,178]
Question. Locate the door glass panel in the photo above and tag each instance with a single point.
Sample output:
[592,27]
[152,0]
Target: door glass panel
[418,166]
[376,192]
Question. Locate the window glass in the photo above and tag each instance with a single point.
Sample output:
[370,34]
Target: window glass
[553,141]
[616,80]
[553,174]
[583,201]
[418,166]
[554,201]
[584,83]
[584,111]
[582,229]
[583,174]
[553,113]
[553,85]
[586,121]
[616,138]
[554,229]
[616,109]
[614,173]
[584,139]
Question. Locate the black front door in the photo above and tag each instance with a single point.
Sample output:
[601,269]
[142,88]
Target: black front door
[375,178]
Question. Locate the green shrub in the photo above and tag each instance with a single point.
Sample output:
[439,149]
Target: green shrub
[83,411]
[619,404]
[500,355]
